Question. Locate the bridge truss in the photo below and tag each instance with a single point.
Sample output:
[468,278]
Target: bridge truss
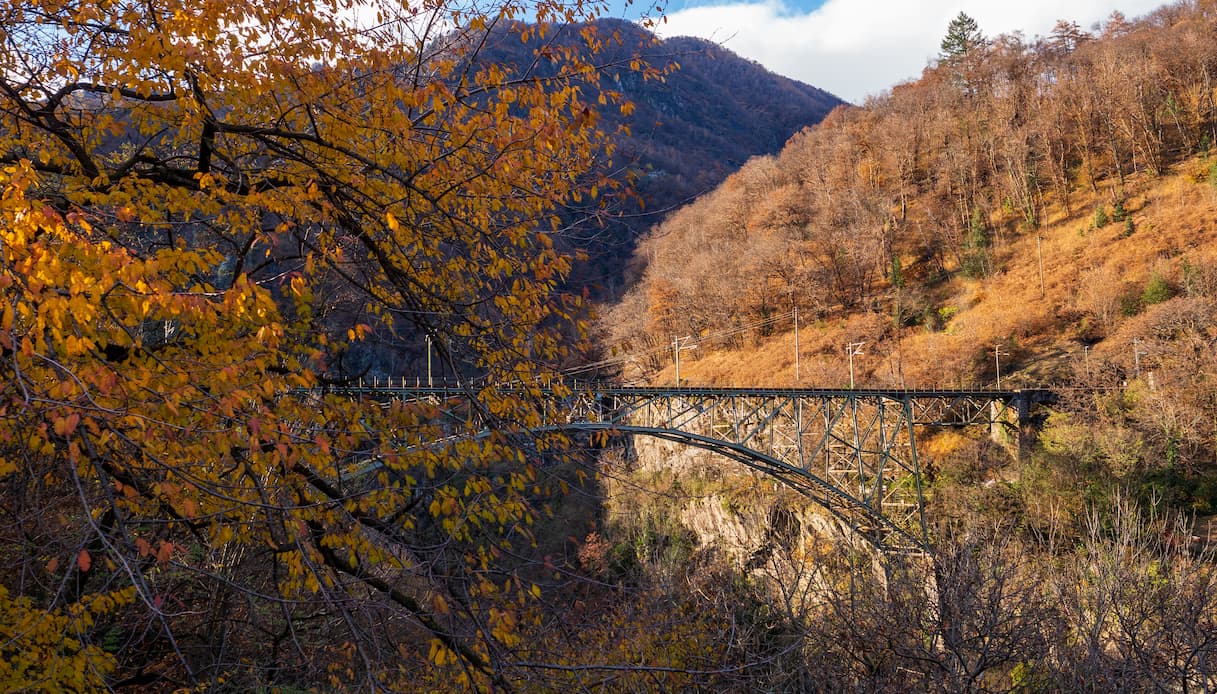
[853,452]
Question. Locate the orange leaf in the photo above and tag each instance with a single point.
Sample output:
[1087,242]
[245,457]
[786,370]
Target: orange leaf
[83,560]
[164,552]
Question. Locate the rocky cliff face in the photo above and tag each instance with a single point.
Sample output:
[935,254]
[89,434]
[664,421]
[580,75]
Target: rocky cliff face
[747,518]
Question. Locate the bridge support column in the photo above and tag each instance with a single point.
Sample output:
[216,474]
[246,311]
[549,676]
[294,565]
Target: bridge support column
[1027,431]
[1001,430]
[1010,425]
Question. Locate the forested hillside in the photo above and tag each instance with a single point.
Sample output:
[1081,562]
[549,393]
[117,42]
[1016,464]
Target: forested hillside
[910,207]
[711,111]
[1040,211]
[1047,208]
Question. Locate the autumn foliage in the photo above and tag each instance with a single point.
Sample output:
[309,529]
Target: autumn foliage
[205,209]
[1052,200]
[893,206]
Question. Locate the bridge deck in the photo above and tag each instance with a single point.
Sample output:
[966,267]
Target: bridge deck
[609,389]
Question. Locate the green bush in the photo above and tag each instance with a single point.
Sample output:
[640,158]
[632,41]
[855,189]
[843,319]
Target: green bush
[978,230]
[1177,488]
[974,262]
[1131,304]
[1100,217]
[1119,214]
[1156,291]
[975,265]
[897,272]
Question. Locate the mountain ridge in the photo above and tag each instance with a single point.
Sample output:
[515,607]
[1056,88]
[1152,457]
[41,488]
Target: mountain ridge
[687,132]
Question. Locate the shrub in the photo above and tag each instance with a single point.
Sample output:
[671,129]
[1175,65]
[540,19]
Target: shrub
[974,262]
[1130,303]
[975,265]
[1100,217]
[897,272]
[1156,291]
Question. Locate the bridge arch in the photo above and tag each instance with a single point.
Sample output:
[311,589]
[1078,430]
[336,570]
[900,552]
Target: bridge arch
[874,527]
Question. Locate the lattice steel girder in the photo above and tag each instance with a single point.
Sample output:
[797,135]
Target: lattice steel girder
[858,444]
[851,451]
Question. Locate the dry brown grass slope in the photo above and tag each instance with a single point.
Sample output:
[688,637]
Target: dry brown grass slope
[1088,272]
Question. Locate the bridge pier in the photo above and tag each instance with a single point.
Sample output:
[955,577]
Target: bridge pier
[1019,435]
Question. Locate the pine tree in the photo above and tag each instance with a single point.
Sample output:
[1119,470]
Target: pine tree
[963,35]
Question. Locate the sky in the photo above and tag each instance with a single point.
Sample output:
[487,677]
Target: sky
[857,48]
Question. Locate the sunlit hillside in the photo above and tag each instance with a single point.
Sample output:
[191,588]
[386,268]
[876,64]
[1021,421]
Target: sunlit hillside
[1014,209]
[1035,213]
[1094,281]
[1043,212]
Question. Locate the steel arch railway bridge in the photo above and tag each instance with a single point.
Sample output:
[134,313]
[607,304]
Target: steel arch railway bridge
[853,452]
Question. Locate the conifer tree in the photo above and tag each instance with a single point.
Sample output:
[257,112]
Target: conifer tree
[963,36]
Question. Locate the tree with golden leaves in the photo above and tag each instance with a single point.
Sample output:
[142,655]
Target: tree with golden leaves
[205,207]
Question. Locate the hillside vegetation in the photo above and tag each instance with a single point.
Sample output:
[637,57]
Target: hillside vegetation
[682,135]
[912,223]
[920,225]
[1045,207]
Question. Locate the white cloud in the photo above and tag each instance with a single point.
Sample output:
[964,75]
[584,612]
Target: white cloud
[855,48]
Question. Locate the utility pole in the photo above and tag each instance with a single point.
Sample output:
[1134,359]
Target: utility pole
[853,349]
[429,383]
[676,347]
[1136,354]
[1040,253]
[676,351]
[796,345]
[997,352]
